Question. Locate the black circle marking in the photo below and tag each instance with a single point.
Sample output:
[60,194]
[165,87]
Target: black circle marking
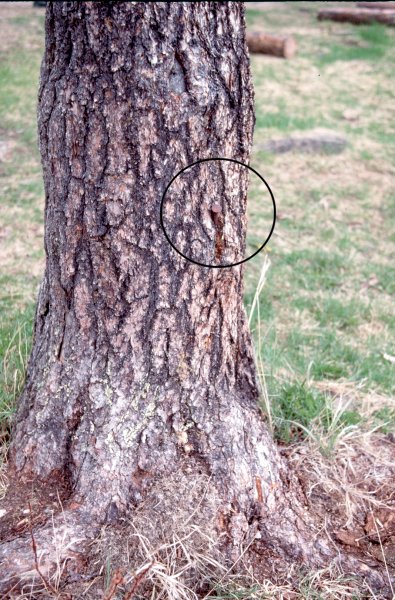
[203,160]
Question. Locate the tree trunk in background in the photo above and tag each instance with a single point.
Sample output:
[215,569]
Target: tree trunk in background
[142,368]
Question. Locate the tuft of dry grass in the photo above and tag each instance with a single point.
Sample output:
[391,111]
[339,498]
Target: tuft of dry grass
[255,307]
[169,539]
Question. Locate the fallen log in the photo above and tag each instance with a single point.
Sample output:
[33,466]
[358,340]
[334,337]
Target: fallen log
[384,5]
[275,45]
[358,16]
[315,141]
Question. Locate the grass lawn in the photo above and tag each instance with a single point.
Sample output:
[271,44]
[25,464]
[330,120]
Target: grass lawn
[327,311]
[324,322]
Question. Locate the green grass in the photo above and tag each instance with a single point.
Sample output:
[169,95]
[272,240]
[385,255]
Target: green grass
[21,204]
[253,16]
[338,314]
[309,586]
[385,275]
[368,43]
[327,313]
[313,269]
[382,133]
[16,109]
[294,407]
[282,121]
[385,418]
[15,344]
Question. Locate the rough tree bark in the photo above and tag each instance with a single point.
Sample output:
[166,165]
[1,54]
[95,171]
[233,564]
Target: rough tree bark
[142,365]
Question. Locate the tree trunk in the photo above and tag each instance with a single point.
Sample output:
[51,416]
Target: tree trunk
[142,370]
[135,348]
[358,16]
[277,45]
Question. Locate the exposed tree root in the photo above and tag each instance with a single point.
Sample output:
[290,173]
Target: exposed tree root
[41,556]
[195,538]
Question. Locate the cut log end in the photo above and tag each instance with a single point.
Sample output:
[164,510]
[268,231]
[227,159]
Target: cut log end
[289,47]
[274,45]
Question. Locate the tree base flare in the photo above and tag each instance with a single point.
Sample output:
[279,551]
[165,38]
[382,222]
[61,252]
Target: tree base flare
[182,535]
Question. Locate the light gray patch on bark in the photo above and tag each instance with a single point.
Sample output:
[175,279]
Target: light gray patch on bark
[177,79]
